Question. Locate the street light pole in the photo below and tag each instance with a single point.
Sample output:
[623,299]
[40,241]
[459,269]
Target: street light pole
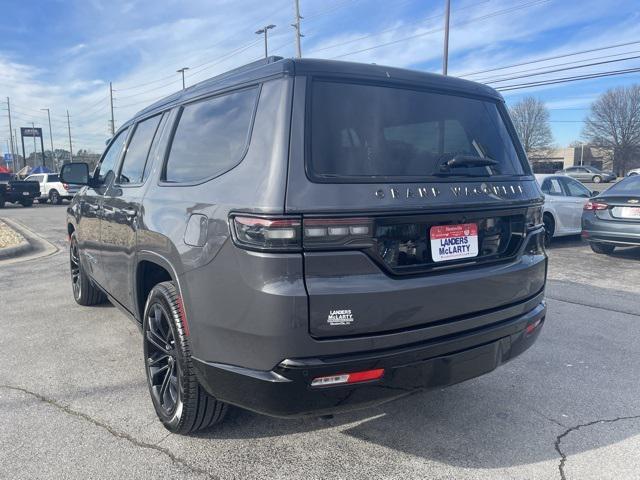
[50,137]
[264,31]
[182,70]
[445,55]
[70,144]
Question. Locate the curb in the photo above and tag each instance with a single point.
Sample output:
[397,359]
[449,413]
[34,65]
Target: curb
[15,250]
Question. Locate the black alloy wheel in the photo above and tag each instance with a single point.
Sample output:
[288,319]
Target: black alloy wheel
[74,263]
[181,403]
[162,362]
[85,293]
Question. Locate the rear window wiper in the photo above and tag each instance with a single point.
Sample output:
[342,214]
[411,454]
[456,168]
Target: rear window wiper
[467,161]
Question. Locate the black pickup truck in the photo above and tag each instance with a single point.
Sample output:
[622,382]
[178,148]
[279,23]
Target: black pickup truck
[17,191]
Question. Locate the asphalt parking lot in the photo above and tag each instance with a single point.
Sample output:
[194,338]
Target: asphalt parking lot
[74,401]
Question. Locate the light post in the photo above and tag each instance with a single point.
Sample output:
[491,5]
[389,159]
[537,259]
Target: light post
[53,161]
[182,70]
[264,31]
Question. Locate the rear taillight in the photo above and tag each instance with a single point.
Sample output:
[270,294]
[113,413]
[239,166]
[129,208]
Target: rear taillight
[321,233]
[267,233]
[348,378]
[591,206]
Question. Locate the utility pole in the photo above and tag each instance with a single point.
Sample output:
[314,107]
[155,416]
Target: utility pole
[50,138]
[264,31]
[113,123]
[70,144]
[296,26]
[13,152]
[35,152]
[445,55]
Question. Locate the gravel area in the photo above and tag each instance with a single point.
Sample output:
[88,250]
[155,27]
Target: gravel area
[8,236]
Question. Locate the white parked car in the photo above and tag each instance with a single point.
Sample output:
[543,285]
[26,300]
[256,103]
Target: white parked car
[564,199]
[632,172]
[52,189]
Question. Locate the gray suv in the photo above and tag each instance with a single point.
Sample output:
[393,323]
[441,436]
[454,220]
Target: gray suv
[303,237]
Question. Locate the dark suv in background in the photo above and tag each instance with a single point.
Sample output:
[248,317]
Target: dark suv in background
[301,237]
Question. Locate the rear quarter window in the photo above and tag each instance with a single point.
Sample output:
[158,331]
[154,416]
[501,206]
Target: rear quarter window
[211,136]
[361,132]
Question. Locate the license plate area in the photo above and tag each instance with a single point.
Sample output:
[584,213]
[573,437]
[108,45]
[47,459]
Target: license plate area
[454,242]
[630,212]
[402,243]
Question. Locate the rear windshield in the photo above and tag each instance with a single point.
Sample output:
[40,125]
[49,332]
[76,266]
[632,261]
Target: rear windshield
[628,186]
[372,133]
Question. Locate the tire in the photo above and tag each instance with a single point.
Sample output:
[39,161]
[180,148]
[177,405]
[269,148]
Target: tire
[2,201]
[27,203]
[549,228]
[602,248]
[85,293]
[55,198]
[597,179]
[182,405]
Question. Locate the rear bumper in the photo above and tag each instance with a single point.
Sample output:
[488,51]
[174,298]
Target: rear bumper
[286,390]
[613,232]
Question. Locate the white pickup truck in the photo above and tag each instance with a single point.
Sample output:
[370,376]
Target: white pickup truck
[52,189]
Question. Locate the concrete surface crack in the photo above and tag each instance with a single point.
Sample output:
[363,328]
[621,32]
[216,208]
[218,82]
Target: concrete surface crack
[563,456]
[626,312]
[122,435]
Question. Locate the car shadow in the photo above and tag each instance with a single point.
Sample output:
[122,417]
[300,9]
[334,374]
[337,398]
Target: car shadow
[472,425]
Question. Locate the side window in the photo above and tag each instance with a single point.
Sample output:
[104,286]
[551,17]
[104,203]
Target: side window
[53,178]
[576,189]
[104,170]
[551,186]
[211,137]
[135,158]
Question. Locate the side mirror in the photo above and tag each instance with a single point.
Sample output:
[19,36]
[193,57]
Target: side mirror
[75,173]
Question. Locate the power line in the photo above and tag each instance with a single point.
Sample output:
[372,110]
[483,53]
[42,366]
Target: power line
[555,57]
[568,79]
[546,72]
[380,32]
[429,32]
[537,69]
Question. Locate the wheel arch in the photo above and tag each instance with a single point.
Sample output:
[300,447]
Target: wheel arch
[150,270]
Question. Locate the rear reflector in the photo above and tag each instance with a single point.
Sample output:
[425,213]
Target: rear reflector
[346,378]
[532,326]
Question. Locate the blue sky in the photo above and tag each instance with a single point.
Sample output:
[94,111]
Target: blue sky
[62,54]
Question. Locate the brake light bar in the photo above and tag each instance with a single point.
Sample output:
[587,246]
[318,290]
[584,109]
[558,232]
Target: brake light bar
[592,205]
[337,232]
[348,378]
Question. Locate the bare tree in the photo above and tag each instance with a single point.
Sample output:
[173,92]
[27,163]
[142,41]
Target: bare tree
[531,119]
[614,123]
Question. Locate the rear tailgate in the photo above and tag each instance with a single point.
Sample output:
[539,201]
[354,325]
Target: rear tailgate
[23,188]
[401,282]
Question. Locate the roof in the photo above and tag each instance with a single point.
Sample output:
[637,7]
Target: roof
[540,177]
[278,66]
